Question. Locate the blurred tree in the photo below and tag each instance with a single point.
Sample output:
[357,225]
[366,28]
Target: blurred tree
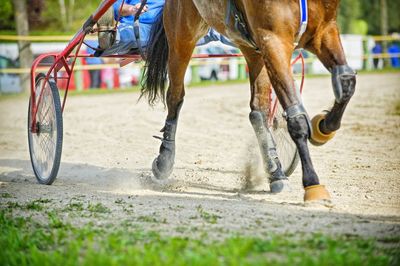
[393,7]
[359,26]
[349,13]
[24,47]
[384,17]
[35,13]
[71,12]
[371,12]
[49,15]
[63,13]
[67,15]
[364,16]
[6,15]
[384,27]
[67,11]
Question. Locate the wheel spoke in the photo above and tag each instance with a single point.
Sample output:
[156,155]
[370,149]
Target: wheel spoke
[285,147]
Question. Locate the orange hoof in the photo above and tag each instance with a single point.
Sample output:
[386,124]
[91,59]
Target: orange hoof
[317,137]
[316,193]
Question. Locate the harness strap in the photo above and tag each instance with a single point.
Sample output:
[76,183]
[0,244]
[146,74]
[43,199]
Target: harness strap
[97,51]
[303,20]
[136,28]
[240,23]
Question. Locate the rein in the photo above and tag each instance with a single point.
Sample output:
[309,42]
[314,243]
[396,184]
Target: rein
[136,28]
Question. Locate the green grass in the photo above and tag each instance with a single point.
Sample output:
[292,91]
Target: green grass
[380,71]
[24,241]
[6,195]
[150,219]
[206,216]
[97,208]
[34,205]
[74,205]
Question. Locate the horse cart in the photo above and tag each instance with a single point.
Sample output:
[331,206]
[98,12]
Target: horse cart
[45,113]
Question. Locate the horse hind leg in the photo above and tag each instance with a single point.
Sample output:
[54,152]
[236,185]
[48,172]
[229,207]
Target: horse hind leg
[163,164]
[260,104]
[182,33]
[329,50]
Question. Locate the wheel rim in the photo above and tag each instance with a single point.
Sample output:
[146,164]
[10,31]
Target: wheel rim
[43,151]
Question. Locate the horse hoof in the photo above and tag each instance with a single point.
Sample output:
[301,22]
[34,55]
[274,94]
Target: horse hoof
[160,175]
[316,193]
[279,186]
[319,138]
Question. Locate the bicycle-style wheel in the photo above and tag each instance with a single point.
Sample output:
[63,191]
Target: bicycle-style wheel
[285,146]
[45,145]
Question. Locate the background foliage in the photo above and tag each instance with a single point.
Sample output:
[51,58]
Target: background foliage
[6,15]
[363,16]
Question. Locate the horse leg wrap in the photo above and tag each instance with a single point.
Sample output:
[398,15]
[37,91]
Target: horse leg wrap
[163,165]
[268,150]
[298,121]
[343,83]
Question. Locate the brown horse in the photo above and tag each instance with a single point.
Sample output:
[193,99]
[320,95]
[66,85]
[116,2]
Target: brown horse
[273,27]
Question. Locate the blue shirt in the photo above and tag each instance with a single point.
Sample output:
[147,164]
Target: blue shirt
[155,7]
[393,50]
[377,49]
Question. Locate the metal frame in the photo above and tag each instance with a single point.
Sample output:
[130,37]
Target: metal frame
[64,60]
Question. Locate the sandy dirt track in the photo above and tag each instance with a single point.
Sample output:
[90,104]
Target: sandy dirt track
[108,150]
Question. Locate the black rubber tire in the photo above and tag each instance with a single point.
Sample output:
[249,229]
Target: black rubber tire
[285,146]
[55,123]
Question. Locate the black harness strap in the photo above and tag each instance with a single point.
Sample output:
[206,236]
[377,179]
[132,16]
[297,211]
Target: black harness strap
[240,23]
[136,28]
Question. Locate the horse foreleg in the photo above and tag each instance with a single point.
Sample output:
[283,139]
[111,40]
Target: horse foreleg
[329,50]
[277,55]
[260,92]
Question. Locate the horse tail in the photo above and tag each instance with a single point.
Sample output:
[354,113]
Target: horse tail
[155,68]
